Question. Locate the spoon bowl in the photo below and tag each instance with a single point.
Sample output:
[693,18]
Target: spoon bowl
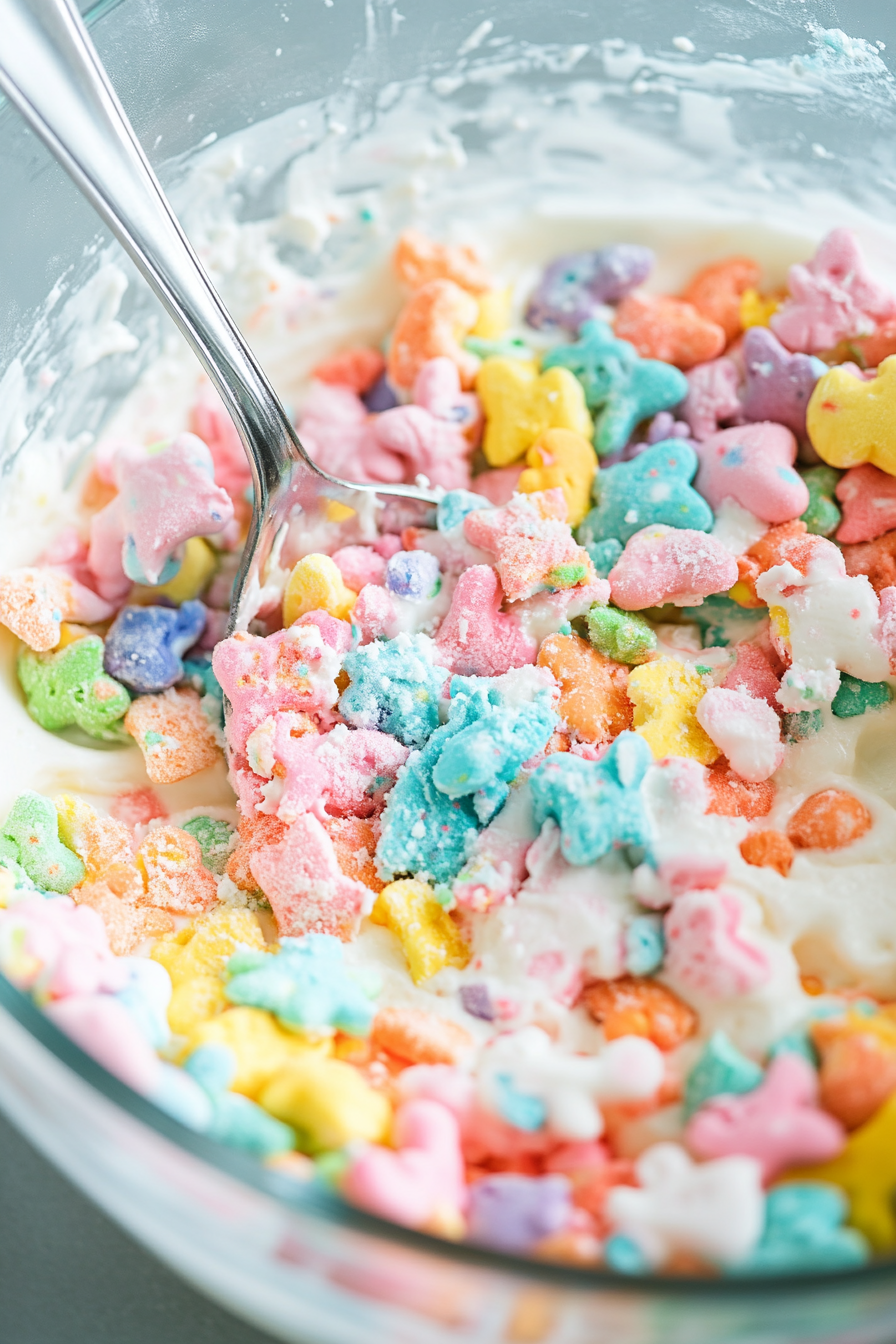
[51,72]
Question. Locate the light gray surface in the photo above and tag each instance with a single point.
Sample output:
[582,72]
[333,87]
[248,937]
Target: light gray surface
[70,1276]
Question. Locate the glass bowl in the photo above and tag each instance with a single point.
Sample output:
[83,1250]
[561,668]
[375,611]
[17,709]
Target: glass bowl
[731,127]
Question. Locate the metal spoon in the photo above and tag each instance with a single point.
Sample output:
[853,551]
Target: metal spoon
[50,70]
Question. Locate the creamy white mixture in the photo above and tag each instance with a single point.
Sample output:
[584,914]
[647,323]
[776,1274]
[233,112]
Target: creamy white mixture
[835,915]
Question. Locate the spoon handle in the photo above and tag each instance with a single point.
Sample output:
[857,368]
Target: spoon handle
[50,70]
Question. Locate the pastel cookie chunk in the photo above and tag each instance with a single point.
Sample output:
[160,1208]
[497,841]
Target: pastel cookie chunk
[652,488]
[521,404]
[533,1086]
[259,1045]
[425,831]
[753,465]
[746,730]
[855,697]
[104,844]
[827,621]
[434,435]
[316,584]
[57,950]
[420,1182]
[636,1006]
[293,669]
[596,804]
[145,645]
[174,735]
[868,497]
[712,949]
[127,924]
[485,757]
[34,602]
[357,368]
[668,564]
[713,397]
[877,561]
[593,700]
[858,1063]
[176,878]
[717,291]
[204,947]
[478,638]
[166,494]
[216,840]
[348,772]
[710,1209]
[565,459]
[804,1233]
[328,1103]
[337,432]
[71,689]
[666,695]
[433,323]
[866,1173]
[574,287]
[394,686]
[429,937]
[780,1122]
[668,329]
[777,384]
[30,836]
[831,297]
[623,636]
[420,1037]
[306,985]
[619,385]
[822,515]
[418,260]
[305,885]
[532,544]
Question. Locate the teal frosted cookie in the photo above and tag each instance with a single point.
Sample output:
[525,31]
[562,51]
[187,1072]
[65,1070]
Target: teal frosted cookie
[653,488]
[394,687]
[596,804]
[621,387]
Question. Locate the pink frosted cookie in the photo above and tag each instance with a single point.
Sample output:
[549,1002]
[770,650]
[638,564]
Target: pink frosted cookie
[165,496]
[668,564]
[831,297]
[753,465]
[293,669]
[532,544]
[307,890]
[709,953]
[868,497]
[346,771]
[746,730]
[476,638]
[779,1123]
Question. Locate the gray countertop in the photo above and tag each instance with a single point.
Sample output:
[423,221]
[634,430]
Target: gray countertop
[68,1275]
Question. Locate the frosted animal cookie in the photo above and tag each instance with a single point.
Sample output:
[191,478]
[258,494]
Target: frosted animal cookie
[530,1084]
[827,621]
[712,1209]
